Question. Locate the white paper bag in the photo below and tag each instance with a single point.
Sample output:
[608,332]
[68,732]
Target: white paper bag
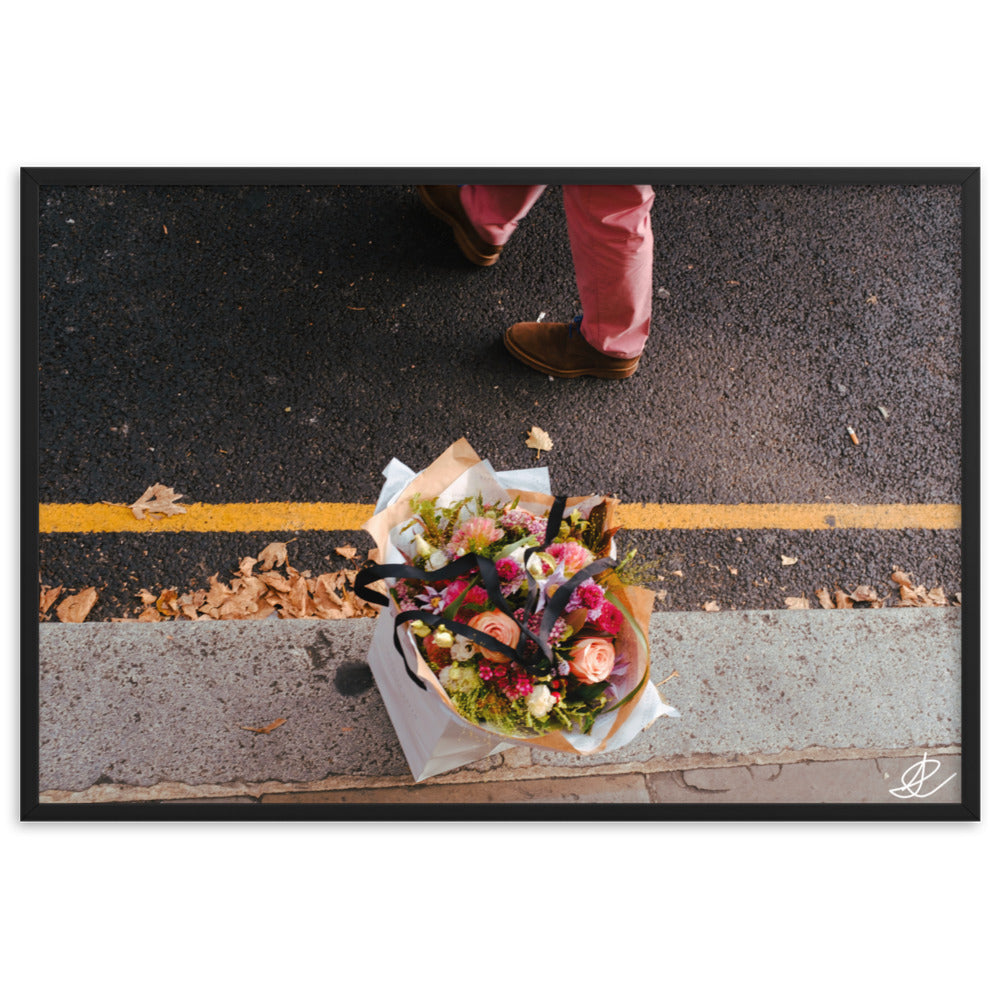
[434,738]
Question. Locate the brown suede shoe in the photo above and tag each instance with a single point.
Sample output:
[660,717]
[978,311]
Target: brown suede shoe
[559,349]
[442,200]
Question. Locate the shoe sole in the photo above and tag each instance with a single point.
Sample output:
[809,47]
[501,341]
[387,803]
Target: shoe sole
[465,244]
[567,373]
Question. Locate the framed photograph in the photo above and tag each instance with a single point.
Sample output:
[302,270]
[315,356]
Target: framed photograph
[512,494]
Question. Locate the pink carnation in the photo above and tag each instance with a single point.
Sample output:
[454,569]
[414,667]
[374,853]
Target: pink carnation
[610,619]
[475,535]
[572,554]
[476,595]
[588,595]
[507,570]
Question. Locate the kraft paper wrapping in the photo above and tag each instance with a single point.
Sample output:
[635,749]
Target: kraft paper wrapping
[434,736]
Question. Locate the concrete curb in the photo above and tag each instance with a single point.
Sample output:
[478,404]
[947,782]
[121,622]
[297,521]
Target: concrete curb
[155,712]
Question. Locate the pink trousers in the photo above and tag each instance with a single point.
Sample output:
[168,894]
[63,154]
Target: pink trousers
[612,244]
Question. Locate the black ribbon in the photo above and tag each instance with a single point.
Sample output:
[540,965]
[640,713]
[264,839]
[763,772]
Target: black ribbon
[536,663]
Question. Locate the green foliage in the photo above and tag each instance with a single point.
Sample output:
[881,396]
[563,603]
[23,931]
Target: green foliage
[634,572]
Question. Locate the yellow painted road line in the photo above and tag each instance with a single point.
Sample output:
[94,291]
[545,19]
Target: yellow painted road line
[285,517]
[243,517]
[790,516]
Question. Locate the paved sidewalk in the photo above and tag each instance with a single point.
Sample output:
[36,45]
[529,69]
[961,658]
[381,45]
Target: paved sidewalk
[776,706]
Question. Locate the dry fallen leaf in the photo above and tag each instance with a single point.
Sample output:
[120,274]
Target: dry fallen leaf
[347,551]
[166,603]
[866,595]
[275,581]
[247,564]
[711,606]
[797,603]
[789,560]
[841,600]
[47,598]
[825,601]
[275,554]
[265,729]
[76,607]
[156,501]
[539,441]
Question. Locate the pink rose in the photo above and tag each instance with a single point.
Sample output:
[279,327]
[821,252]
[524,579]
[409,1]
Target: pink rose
[592,660]
[500,627]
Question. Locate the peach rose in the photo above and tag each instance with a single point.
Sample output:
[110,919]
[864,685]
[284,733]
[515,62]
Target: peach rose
[501,627]
[592,660]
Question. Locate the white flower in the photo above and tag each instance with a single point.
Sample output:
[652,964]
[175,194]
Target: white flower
[437,559]
[518,554]
[443,638]
[540,701]
[537,564]
[461,648]
[459,679]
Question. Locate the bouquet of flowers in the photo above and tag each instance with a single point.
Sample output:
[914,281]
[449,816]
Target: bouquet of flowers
[508,605]
[546,591]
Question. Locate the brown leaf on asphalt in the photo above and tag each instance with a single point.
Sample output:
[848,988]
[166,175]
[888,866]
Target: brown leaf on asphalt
[158,501]
[866,595]
[538,440]
[270,727]
[275,554]
[842,600]
[251,596]
[329,604]
[913,596]
[825,600]
[218,593]
[297,603]
[797,603]
[167,604]
[275,581]
[243,606]
[347,551]
[75,608]
[789,560]
[47,598]
[711,606]
[246,566]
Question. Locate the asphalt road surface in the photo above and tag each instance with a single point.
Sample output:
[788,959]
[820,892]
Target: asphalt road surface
[283,343]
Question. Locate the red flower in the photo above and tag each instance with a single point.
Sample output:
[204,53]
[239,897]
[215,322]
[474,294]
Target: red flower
[610,619]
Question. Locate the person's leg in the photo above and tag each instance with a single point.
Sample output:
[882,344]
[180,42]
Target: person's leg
[482,216]
[495,209]
[612,243]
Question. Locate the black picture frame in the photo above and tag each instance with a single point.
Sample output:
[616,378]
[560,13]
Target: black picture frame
[967,178]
